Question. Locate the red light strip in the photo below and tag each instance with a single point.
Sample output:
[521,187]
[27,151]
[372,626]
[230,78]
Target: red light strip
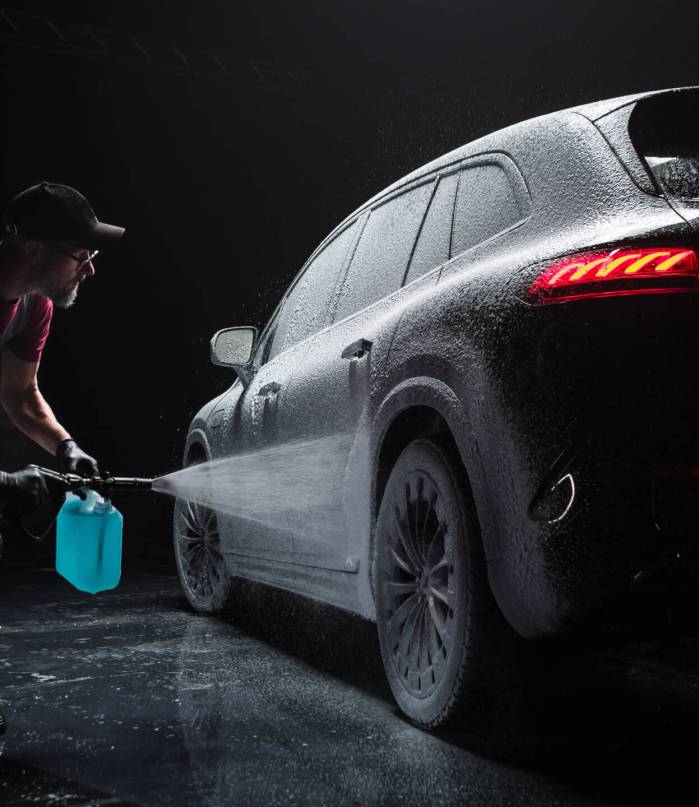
[585,275]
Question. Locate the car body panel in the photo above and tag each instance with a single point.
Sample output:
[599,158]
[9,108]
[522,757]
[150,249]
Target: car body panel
[509,379]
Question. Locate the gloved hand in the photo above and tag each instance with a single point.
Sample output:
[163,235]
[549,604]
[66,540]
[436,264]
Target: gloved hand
[73,460]
[23,491]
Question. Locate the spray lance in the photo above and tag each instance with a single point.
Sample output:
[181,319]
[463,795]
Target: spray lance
[59,484]
[104,485]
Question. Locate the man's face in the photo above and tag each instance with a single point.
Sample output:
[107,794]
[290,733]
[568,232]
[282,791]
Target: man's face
[61,270]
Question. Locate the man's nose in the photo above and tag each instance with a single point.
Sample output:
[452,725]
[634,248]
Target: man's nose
[89,269]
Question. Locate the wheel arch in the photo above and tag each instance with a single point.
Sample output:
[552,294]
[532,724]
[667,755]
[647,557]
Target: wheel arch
[409,424]
[419,407]
[196,448]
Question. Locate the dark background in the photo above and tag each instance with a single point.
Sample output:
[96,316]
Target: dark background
[228,173]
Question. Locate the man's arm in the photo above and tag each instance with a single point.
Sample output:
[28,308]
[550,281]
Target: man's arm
[24,403]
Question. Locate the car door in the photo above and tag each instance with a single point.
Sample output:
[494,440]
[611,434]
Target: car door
[329,395]
[261,427]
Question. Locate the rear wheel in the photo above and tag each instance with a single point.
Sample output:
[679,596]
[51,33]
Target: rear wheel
[199,557]
[447,651]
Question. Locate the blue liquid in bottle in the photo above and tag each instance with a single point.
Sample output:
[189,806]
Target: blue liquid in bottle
[88,542]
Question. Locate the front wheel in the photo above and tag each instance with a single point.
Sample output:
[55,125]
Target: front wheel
[199,558]
[446,648]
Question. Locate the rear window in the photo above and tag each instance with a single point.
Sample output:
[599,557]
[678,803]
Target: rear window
[665,131]
[677,176]
[486,204]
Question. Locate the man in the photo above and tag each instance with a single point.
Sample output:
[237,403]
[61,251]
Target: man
[51,238]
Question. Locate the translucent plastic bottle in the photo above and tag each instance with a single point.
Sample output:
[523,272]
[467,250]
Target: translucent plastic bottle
[88,542]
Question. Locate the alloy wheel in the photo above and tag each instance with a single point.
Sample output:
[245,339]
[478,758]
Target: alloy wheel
[199,549]
[418,585]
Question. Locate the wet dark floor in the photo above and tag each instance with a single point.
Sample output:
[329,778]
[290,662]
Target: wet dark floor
[129,698]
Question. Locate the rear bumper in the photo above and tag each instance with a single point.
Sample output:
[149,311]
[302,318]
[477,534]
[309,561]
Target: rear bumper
[598,452]
[595,531]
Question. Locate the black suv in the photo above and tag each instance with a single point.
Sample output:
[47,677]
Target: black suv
[499,348]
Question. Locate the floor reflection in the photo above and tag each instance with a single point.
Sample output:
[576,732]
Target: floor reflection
[131,698]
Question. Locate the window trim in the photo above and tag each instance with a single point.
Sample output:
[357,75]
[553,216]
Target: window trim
[453,213]
[517,183]
[424,180]
[437,180]
[271,325]
[361,216]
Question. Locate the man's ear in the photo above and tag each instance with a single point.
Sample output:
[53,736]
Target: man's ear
[33,251]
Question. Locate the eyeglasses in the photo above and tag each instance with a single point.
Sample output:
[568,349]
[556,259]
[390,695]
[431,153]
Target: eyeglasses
[81,261]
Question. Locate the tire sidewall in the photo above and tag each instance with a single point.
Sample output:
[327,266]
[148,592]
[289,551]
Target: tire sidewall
[209,605]
[432,459]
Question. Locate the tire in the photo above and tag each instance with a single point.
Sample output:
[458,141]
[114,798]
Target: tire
[448,653]
[201,566]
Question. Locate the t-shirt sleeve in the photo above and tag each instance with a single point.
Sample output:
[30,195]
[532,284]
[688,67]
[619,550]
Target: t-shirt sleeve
[29,343]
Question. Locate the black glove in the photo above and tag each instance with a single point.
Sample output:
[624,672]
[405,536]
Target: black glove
[22,491]
[73,460]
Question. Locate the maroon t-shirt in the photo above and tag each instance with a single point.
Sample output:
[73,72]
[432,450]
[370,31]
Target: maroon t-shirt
[28,343]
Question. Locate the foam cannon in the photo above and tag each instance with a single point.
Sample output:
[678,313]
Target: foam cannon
[88,526]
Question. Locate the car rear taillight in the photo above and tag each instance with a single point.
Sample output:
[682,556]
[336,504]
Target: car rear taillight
[617,272]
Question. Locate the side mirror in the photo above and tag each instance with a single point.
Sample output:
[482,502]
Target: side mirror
[232,347]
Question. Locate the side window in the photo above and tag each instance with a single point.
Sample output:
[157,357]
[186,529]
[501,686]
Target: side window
[306,307]
[384,248]
[432,248]
[486,204]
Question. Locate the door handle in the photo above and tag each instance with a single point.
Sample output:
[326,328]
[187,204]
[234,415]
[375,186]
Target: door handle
[269,390]
[357,350]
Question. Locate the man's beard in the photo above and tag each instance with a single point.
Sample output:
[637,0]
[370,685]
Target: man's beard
[61,296]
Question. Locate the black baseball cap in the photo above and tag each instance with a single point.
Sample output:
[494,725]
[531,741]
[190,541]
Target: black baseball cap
[51,212]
